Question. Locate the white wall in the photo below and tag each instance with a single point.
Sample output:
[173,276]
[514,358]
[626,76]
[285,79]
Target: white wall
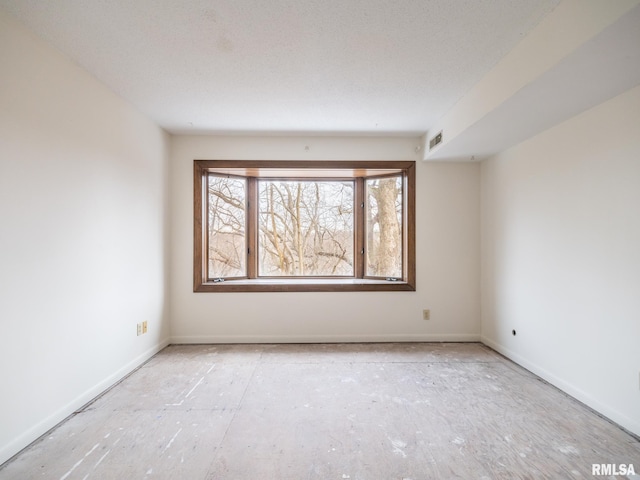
[83,230]
[561,256]
[447,255]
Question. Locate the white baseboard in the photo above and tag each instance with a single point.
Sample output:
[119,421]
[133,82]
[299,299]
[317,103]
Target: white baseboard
[36,431]
[622,420]
[349,338]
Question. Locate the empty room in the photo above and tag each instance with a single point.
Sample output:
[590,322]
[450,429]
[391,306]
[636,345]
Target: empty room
[320,239]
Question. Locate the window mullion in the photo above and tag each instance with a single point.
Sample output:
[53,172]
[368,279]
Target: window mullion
[201,226]
[359,230]
[252,227]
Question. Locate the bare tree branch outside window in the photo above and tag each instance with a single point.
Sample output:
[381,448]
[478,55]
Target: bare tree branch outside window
[384,227]
[227,227]
[305,228]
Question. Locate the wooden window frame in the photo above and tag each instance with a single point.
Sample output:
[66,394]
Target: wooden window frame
[358,171]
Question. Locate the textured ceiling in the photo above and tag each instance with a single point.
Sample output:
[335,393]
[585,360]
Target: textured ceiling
[286,66]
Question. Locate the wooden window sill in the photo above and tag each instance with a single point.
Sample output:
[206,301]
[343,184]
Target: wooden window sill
[305,285]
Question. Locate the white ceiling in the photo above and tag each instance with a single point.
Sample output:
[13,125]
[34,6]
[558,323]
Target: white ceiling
[286,66]
[601,67]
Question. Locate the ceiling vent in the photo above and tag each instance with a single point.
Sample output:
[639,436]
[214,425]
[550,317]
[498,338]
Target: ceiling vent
[435,141]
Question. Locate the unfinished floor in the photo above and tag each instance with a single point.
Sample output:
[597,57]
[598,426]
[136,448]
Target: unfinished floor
[341,411]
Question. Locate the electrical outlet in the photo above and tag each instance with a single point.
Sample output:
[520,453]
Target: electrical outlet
[426,314]
[139,329]
[144,327]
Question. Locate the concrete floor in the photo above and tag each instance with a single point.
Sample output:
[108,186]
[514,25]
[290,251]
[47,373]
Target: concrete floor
[345,411]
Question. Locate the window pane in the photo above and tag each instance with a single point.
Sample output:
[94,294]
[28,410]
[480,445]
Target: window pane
[226,227]
[305,228]
[383,247]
